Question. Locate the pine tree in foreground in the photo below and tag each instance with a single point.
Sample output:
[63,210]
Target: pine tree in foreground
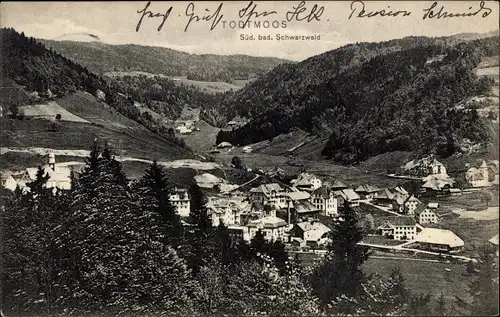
[340,271]
[484,287]
[153,192]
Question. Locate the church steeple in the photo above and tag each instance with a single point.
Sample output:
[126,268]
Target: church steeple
[52,161]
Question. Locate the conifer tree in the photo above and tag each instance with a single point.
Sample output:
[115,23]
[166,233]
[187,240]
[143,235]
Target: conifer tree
[30,263]
[340,271]
[258,243]
[153,189]
[114,165]
[198,252]
[38,186]
[484,288]
[198,212]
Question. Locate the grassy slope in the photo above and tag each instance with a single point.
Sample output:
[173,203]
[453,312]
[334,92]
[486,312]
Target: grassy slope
[126,136]
[203,140]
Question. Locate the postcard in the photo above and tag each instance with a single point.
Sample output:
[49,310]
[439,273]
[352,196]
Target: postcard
[244,158]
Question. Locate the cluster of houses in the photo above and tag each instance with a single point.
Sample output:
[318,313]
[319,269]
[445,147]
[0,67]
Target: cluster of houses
[292,213]
[437,182]
[275,209]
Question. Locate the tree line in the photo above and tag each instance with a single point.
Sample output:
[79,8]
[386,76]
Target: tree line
[370,99]
[114,246]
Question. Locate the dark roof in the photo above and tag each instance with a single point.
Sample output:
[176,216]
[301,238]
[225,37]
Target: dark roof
[338,185]
[403,221]
[385,194]
[360,189]
[420,208]
[323,191]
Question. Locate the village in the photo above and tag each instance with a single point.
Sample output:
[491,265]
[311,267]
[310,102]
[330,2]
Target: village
[301,213]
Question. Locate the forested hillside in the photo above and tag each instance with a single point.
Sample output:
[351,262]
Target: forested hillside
[371,98]
[164,96]
[101,58]
[32,73]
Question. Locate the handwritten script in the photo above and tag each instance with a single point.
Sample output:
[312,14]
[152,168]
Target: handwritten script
[434,11]
[250,14]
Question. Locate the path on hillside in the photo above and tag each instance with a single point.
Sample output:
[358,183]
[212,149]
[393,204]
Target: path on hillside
[244,184]
[381,208]
[184,163]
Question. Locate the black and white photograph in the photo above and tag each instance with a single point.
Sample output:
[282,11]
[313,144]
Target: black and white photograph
[249,158]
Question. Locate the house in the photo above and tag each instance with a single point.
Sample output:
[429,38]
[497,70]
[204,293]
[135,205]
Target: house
[433,205]
[306,181]
[11,180]
[400,228]
[411,204]
[425,166]
[275,172]
[478,177]
[324,199]
[312,233]
[384,197]
[223,145]
[247,149]
[455,192]
[436,185]
[349,196]
[268,194]
[367,191]
[439,240]
[180,200]
[400,190]
[183,129]
[398,202]
[301,210]
[425,215]
[337,185]
[293,195]
[227,210]
[273,228]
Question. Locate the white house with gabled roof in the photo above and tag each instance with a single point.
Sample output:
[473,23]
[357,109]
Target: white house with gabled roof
[411,204]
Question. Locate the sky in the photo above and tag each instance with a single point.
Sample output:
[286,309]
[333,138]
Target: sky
[116,22]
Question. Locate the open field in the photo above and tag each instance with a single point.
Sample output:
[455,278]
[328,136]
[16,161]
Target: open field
[425,277]
[207,86]
[75,135]
[125,136]
[203,140]
[49,110]
[91,109]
